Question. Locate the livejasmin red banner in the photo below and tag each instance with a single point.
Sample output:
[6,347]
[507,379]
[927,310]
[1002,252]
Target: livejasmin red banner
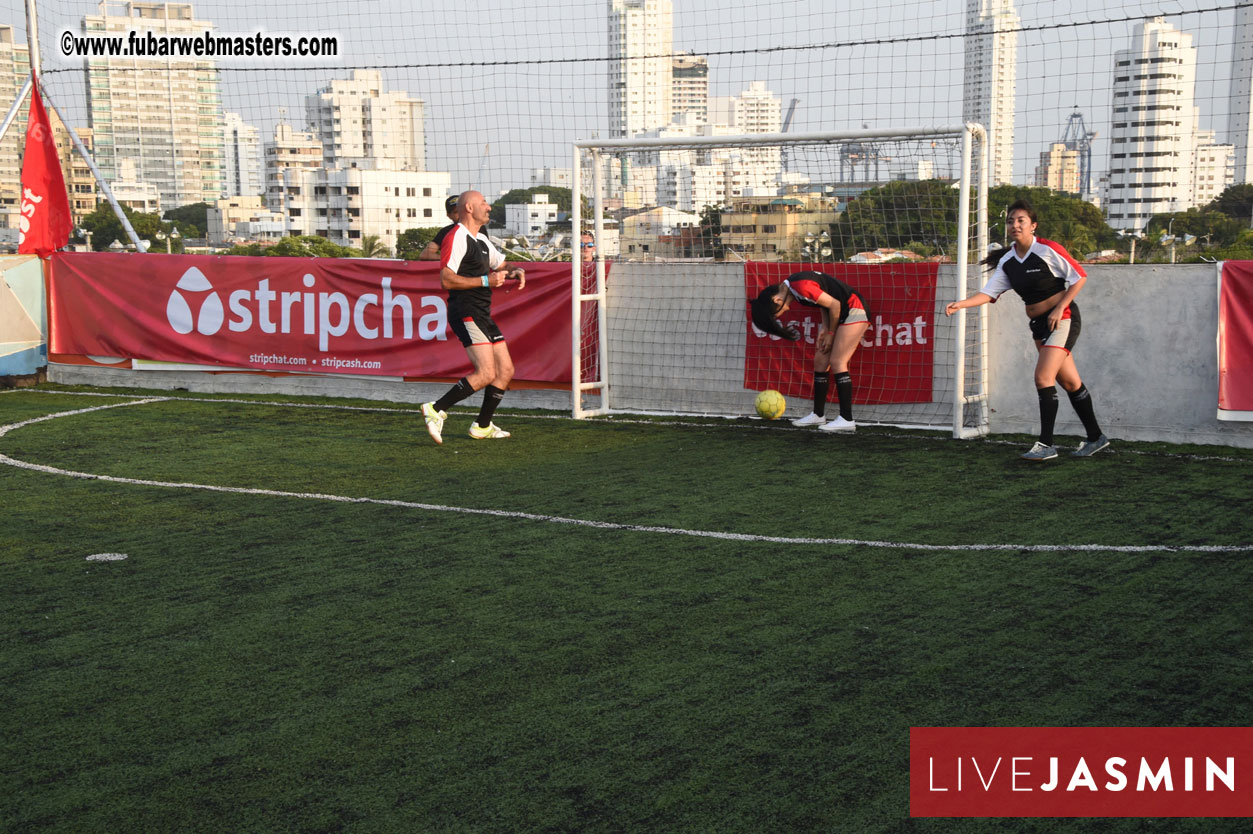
[1235,341]
[893,363]
[1081,771]
[303,315]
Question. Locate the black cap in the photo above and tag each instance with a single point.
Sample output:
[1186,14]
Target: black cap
[450,204]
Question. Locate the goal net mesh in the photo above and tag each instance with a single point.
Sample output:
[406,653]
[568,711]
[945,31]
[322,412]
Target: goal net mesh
[695,231]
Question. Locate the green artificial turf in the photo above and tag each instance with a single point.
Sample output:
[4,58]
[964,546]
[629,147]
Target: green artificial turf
[269,663]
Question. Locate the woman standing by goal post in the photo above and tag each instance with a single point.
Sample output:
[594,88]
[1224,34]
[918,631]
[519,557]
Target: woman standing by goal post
[1047,278]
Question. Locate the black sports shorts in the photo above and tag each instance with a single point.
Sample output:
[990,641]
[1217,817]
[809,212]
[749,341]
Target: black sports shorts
[1066,334]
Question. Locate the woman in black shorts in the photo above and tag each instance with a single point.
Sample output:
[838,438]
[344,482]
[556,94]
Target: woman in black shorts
[1047,278]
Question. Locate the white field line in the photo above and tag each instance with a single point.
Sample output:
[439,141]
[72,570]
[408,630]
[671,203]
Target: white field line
[555,519]
[718,422]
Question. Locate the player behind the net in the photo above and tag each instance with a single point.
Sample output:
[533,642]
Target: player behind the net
[844,321]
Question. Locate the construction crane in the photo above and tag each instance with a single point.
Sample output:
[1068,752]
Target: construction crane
[1078,138]
[787,122]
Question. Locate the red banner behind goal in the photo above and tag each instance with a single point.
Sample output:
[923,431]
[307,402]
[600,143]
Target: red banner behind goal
[894,362]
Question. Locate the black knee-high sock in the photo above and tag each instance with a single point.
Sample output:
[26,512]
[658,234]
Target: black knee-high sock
[491,399]
[1082,402]
[1048,413]
[822,384]
[844,390]
[455,394]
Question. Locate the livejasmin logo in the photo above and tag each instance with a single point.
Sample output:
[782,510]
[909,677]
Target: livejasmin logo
[324,314]
[1080,771]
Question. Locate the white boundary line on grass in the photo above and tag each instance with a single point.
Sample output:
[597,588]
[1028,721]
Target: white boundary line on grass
[555,519]
[722,422]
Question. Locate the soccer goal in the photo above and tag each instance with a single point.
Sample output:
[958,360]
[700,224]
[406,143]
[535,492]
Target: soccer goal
[686,230]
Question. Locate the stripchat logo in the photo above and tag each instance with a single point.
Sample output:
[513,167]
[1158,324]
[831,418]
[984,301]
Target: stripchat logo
[195,305]
[178,311]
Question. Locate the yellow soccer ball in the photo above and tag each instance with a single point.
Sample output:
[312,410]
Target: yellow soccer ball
[770,404]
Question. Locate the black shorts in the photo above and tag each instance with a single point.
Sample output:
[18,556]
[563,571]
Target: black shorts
[474,328]
[1066,334]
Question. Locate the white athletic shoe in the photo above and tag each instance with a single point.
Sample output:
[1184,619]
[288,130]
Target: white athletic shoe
[1039,452]
[839,424]
[434,421]
[491,432]
[811,420]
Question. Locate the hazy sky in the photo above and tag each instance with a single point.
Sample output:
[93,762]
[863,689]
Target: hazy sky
[509,86]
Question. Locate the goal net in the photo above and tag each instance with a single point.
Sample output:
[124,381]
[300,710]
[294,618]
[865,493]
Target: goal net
[695,227]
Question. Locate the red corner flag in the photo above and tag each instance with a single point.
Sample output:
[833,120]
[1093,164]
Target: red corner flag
[45,222]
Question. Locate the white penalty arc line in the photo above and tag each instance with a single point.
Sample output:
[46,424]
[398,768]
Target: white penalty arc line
[579,522]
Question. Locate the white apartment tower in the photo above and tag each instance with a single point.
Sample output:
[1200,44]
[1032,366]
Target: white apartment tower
[163,115]
[991,75]
[244,177]
[356,119]
[14,71]
[641,93]
[1214,170]
[292,160]
[1240,125]
[690,87]
[1153,130]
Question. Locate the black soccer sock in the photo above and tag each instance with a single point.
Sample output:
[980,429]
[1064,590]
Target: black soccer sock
[1082,402]
[844,391]
[455,394]
[491,398]
[822,384]
[1048,413]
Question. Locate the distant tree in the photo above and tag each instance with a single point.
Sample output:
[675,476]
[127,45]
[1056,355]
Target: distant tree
[192,220]
[105,227]
[373,247]
[711,233]
[411,242]
[895,214]
[303,246]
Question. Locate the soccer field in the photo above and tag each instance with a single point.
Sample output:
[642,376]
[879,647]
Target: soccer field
[324,622]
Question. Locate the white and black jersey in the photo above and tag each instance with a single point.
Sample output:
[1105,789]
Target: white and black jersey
[471,256]
[1046,270]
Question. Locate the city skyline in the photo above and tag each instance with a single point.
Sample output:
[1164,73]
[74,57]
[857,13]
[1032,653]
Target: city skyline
[528,133]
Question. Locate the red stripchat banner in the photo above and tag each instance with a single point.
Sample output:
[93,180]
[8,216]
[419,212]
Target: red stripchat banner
[296,315]
[1080,771]
[893,364]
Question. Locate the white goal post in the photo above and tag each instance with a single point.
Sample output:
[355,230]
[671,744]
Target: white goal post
[667,332]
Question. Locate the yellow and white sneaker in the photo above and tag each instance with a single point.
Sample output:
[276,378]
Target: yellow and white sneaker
[491,432]
[434,421]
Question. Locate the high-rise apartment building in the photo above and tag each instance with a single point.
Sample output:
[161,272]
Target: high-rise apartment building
[289,157]
[14,72]
[1240,100]
[1058,169]
[164,115]
[689,87]
[244,177]
[1214,169]
[356,119]
[991,74]
[641,92]
[1153,130]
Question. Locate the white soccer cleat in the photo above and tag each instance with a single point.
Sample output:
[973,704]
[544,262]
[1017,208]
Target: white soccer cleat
[810,420]
[839,424]
[491,432]
[434,421]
